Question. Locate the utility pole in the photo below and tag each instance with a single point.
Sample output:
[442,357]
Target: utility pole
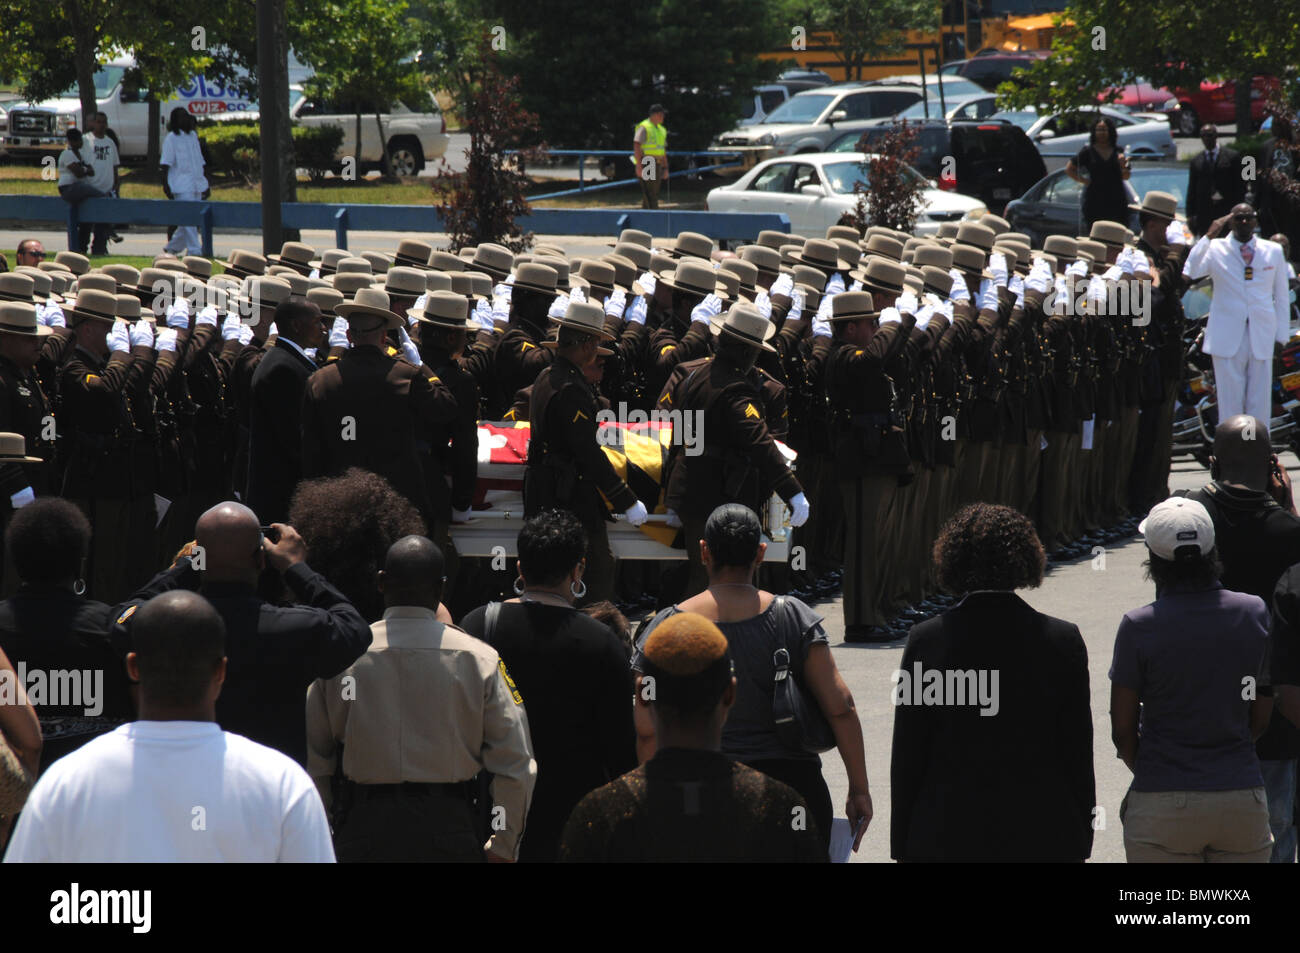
[273,107]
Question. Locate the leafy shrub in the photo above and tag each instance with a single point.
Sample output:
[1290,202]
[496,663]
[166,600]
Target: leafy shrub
[234,148]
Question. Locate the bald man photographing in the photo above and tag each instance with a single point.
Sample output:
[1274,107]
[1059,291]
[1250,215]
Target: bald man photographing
[275,651]
[1257,534]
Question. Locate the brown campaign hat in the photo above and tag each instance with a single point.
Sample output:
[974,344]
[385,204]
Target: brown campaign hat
[847,232]
[295,255]
[634,236]
[1091,248]
[600,275]
[744,322]
[329,260]
[812,277]
[995,222]
[327,299]
[349,282]
[1062,246]
[413,253]
[1017,256]
[437,281]
[19,318]
[947,230]
[13,448]
[973,233]
[563,281]
[1109,233]
[930,254]
[495,260]
[60,282]
[369,303]
[243,262]
[690,245]
[763,258]
[849,251]
[75,263]
[730,281]
[625,269]
[354,266]
[535,276]
[882,276]
[1158,203]
[159,286]
[467,252]
[1050,259]
[969,259]
[746,273]
[128,308]
[694,276]
[444,309]
[584,316]
[462,283]
[379,262]
[853,306]
[125,275]
[551,251]
[771,238]
[99,305]
[198,266]
[16,286]
[480,285]
[936,280]
[639,255]
[405,281]
[884,246]
[46,285]
[821,253]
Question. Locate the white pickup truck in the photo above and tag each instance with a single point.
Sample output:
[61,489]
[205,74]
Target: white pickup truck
[33,130]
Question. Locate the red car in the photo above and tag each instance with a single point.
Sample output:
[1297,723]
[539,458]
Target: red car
[1216,102]
[1142,97]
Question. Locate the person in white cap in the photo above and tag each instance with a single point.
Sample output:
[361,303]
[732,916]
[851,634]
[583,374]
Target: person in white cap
[1194,666]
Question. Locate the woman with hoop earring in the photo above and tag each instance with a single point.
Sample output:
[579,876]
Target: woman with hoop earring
[570,672]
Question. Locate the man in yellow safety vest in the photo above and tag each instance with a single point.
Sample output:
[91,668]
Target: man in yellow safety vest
[650,150]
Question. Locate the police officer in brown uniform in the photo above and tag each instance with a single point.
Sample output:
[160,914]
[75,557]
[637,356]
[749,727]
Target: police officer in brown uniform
[567,469]
[739,460]
[866,441]
[453,464]
[519,356]
[98,475]
[24,408]
[684,333]
[263,295]
[367,409]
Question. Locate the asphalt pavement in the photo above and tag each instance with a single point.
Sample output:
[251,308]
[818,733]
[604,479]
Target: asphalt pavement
[1093,593]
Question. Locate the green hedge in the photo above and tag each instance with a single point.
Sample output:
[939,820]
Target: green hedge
[233,148]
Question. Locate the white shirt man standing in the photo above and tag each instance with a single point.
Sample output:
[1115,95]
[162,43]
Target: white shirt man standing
[1249,313]
[182,163]
[173,787]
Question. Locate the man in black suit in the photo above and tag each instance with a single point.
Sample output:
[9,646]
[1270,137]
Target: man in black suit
[275,421]
[1214,182]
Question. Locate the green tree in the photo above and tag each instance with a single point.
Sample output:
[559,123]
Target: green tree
[590,68]
[1112,42]
[57,46]
[867,30]
[363,54]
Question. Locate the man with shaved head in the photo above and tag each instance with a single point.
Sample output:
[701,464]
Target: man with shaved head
[414,720]
[134,795]
[1257,534]
[275,651]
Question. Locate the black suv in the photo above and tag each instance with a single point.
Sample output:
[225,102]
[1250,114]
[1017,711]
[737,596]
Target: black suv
[992,161]
[993,67]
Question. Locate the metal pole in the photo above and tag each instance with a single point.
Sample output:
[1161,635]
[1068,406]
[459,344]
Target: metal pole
[270,92]
[938,56]
[925,97]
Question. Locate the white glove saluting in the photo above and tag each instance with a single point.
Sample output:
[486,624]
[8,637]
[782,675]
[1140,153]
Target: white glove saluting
[230,328]
[907,303]
[178,315]
[636,514]
[165,339]
[821,324]
[959,291]
[558,306]
[835,285]
[707,309]
[409,350]
[763,303]
[142,334]
[647,282]
[339,333]
[890,316]
[119,339]
[799,510]
[783,285]
[1175,234]
[616,304]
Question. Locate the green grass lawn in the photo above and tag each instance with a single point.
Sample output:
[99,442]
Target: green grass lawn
[135,261]
[26,179]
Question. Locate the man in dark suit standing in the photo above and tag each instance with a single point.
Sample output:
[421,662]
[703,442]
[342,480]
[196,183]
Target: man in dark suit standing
[365,409]
[275,423]
[1214,182]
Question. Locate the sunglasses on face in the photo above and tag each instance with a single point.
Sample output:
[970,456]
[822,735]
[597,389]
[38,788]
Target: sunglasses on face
[33,254]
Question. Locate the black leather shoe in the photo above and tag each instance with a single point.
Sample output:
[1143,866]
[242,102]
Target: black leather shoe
[869,633]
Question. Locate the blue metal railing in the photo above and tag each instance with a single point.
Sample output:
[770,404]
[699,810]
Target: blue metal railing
[582,155]
[210,216]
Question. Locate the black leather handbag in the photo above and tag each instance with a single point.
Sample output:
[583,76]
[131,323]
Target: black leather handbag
[799,719]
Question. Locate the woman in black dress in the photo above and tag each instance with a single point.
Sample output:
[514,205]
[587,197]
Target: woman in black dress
[1104,195]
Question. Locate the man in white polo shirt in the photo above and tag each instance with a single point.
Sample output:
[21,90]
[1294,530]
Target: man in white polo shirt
[1249,314]
[173,787]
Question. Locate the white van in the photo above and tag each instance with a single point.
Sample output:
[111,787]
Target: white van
[32,130]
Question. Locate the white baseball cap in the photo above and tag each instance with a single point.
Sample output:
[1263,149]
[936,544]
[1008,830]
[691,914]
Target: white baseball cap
[1175,523]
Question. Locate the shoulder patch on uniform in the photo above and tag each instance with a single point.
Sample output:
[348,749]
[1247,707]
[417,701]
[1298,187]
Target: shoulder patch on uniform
[578,414]
[752,411]
[91,377]
[509,414]
[666,348]
[510,682]
[857,352]
[434,379]
[524,345]
[126,615]
[668,398]
[392,351]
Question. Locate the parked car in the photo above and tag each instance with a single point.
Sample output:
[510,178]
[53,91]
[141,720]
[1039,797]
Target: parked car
[1215,101]
[767,97]
[1059,137]
[952,85]
[959,107]
[1054,206]
[991,67]
[815,76]
[414,136]
[1140,96]
[992,161]
[816,191]
[808,121]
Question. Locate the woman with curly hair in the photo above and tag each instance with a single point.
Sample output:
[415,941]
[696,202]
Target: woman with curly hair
[992,753]
[349,521]
[1106,165]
